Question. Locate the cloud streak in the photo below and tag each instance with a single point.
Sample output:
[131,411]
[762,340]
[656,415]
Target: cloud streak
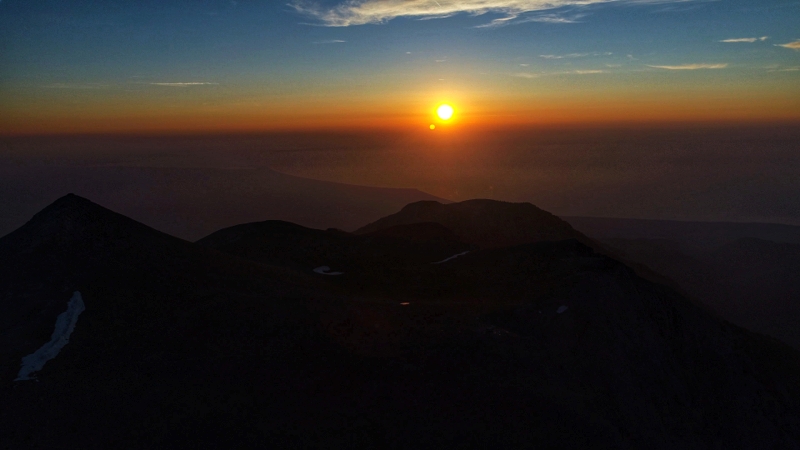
[529,75]
[792,45]
[86,86]
[362,12]
[575,55]
[543,18]
[692,67]
[187,84]
[330,41]
[751,40]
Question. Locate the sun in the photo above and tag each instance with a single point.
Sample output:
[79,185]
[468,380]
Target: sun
[445,112]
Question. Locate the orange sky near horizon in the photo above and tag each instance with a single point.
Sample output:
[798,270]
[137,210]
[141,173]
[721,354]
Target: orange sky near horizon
[111,120]
[230,67]
[525,103]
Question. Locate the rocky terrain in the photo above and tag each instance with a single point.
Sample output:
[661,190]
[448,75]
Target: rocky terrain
[477,324]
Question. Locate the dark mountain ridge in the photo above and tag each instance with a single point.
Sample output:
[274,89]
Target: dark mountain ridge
[485,223]
[491,223]
[544,343]
[286,244]
[190,202]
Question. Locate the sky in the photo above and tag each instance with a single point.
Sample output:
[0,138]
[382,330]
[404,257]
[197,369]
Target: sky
[77,66]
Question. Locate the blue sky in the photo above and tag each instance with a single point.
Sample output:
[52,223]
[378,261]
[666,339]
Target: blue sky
[88,56]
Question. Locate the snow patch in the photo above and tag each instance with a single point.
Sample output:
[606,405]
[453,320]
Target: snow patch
[325,270]
[562,309]
[451,258]
[65,324]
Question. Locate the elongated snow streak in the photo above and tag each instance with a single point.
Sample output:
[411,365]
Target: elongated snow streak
[562,309]
[65,323]
[325,270]
[451,258]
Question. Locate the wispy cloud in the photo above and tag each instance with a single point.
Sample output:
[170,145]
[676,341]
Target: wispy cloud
[186,84]
[692,66]
[785,69]
[792,45]
[550,18]
[584,72]
[762,38]
[330,41]
[543,18]
[575,55]
[571,55]
[76,86]
[360,12]
[571,72]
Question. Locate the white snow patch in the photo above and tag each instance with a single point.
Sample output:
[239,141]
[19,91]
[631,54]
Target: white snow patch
[451,258]
[325,270]
[562,309]
[65,323]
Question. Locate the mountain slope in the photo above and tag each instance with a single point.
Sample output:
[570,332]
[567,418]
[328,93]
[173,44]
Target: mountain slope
[745,272]
[164,321]
[545,344]
[288,245]
[486,223]
[492,223]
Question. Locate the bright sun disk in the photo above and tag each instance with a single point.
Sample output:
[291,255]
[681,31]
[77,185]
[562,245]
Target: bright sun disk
[444,112]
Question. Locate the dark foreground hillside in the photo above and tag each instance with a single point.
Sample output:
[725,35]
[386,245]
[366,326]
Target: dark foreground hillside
[275,335]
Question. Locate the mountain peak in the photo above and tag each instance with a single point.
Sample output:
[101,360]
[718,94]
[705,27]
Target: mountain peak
[72,219]
[484,222]
[69,201]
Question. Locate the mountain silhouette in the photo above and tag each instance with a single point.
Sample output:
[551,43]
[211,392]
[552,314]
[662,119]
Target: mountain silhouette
[289,245]
[458,334]
[191,203]
[485,223]
[492,223]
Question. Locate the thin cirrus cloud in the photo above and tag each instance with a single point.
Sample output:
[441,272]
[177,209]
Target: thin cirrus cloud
[692,67]
[585,72]
[529,75]
[792,45]
[84,86]
[330,41]
[185,84]
[543,18]
[751,40]
[575,55]
[361,12]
